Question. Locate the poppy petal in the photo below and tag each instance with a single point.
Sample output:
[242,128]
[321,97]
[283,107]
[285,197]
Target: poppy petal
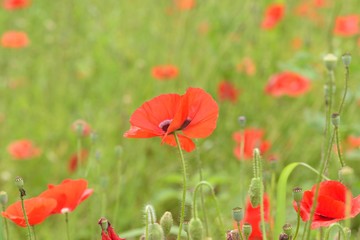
[186,143]
[135,132]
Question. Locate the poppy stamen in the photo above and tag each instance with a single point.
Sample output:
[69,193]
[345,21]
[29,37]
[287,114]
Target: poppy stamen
[185,124]
[164,125]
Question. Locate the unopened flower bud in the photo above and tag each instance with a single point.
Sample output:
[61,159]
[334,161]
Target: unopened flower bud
[297,194]
[330,61]
[104,223]
[346,59]
[196,229]
[346,174]
[335,119]
[347,232]
[19,182]
[3,198]
[166,222]
[283,236]
[238,214]
[254,192]
[156,232]
[247,229]
[287,228]
[242,121]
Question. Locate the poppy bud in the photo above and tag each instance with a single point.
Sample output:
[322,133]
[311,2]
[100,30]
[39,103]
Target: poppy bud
[195,229]
[330,61]
[103,222]
[346,174]
[287,228]
[166,222]
[346,59]
[247,229]
[19,182]
[242,121]
[237,214]
[156,232]
[150,214]
[297,194]
[3,198]
[283,236]
[254,192]
[335,119]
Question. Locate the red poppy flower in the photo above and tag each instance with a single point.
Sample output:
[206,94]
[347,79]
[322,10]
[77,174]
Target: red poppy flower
[83,126]
[69,194]
[195,114]
[347,26]
[247,66]
[73,162]
[37,210]
[287,83]
[185,4]
[227,91]
[165,72]
[252,216]
[331,204]
[23,149]
[273,15]
[14,39]
[15,4]
[109,233]
[253,139]
[353,142]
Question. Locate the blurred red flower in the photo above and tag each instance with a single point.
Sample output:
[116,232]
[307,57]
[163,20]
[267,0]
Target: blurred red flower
[346,26]
[110,233]
[23,149]
[37,210]
[185,4]
[165,72]
[14,39]
[353,142]
[287,83]
[73,161]
[331,204]
[68,194]
[195,114]
[247,66]
[227,91]
[253,138]
[15,4]
[273,15]
[82,127]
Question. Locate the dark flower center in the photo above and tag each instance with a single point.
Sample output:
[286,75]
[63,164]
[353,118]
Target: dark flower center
[164,125]
[185,124]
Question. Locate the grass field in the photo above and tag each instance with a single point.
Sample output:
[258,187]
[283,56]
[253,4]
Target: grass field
[93,60]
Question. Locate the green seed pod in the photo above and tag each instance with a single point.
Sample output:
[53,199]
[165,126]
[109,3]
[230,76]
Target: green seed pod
[238,214]
[195,229]
[346,174]
[254,192]
[346,59]
[330,61]
[287,228]
[297,194]
[283,236]
[19,182]
[3,198]
[247,229]
[166,222]
[335,119]
[156,232]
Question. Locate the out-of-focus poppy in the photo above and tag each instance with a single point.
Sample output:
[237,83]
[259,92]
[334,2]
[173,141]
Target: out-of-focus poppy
[247,66]
[227,91]
[68,194]
[287,83]
[195,114]
[37,210]
[331,204]
[253,138]
[108,233]
[273,15]
[14,39]
[165,72]
[23,149]
[353,142]
[74,161]
[15,4]
[81,127]
[184,4]
[346,26]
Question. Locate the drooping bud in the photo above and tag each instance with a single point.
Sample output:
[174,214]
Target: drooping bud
[247,229]
[238,214]
[3,198]
[156,232]
[335,119]
[254,192]
[330,61]
[242,121]
[104,223]
[196,229]
[166,222]
[297,194]
[346,59]
[287,228]
[283,236]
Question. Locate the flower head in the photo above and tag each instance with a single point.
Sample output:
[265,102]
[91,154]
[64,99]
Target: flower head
[185,4]
[82,127]
[23,149]
[37,210]
[195,114]
[287,83]
[253,138]
[14,39]
[107,231]
[165,72]
[273,15]
[347,26]
[247,66]
[69,194]
[331,204]
[227,91]
[15,4]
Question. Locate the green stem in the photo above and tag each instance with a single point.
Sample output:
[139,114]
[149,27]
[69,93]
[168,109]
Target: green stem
[146,225]
[67,225]
[345,89]
[25,216]
[262,214]
[240,233]
[6,226]
[79,147]
[335,225]
[33,228]
[336,129]
[298,222]
[182,213]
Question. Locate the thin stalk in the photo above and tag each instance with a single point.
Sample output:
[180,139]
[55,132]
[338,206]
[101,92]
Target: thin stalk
[328,109]
[34,232]
[345,89]
[79,147]
[336,129]
[335,225]
[298,222]
[146,225]
[67,225]
[6,225]
[25,216]
[240,233]
[182,213]
[262,214]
